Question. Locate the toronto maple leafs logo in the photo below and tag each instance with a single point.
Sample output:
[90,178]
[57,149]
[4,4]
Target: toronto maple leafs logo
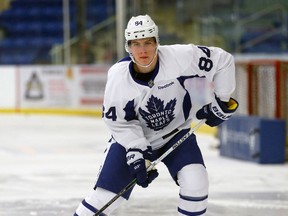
[158,116]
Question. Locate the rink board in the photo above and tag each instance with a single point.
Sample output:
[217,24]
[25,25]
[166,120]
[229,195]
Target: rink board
[253,139]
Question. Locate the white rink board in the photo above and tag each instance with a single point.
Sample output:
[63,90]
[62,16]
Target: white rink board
[48,165]
[7,87]
[52,87]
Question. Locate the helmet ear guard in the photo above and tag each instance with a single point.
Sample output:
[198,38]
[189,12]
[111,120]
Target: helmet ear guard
[127,47]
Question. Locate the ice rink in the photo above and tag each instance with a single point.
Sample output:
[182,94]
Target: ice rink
[48,165]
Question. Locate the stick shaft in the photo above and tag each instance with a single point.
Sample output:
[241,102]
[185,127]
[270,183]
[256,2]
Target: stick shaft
[191,131]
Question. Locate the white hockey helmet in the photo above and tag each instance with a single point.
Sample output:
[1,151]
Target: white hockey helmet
[139,27]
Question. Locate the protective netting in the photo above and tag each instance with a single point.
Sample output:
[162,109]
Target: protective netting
[262,88]
[266,91]
[241,92]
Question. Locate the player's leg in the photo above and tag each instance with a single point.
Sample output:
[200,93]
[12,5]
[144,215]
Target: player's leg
[95,201]
[186,166]
[114,175]
[193,182]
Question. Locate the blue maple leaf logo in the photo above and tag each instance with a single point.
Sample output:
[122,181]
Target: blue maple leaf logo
[157,116]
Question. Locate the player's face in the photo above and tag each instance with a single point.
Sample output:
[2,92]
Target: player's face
[143,50]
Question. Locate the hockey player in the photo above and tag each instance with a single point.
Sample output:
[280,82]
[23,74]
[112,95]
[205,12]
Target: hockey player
[147,108]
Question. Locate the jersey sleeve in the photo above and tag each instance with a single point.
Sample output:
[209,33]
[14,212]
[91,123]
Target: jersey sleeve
[219,68]
[224,78]
[118,108]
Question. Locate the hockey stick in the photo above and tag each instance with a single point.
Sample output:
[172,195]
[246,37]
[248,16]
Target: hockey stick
[152,165]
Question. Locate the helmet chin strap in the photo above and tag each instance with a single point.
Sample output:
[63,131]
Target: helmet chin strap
[147,65]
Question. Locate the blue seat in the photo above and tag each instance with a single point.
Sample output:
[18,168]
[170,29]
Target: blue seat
[34,12]
[23,57]
[6,43]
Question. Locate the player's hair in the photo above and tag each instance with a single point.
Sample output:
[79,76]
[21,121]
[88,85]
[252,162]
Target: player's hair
[153,38]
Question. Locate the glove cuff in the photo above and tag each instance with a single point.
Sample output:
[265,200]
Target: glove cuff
[223,110]
[133,155]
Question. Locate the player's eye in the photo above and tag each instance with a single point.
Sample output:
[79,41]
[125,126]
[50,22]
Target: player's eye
[135,44]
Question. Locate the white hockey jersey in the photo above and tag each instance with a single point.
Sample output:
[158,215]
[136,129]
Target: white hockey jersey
[140,113]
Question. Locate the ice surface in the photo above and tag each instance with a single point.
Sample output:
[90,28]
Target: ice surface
[48,165]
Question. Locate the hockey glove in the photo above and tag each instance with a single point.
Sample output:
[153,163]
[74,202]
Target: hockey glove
[138,168]
[217,111]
